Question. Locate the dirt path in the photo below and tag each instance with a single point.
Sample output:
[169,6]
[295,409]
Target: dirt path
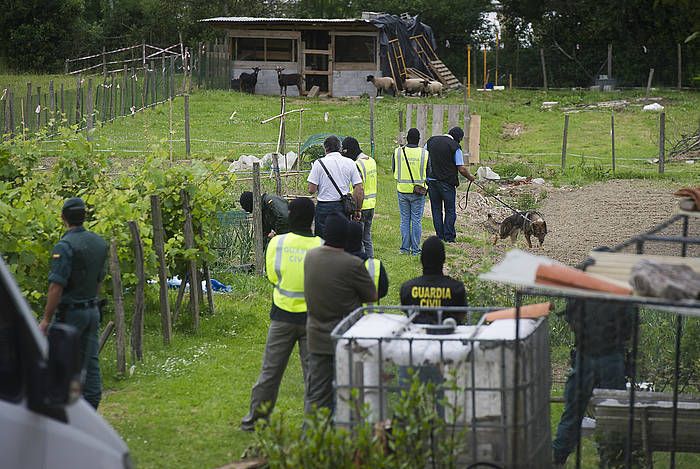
[578,219]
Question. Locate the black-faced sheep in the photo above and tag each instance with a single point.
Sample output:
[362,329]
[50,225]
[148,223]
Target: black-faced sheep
[383,84]
[412,86]
[247,81]
[431,88]
[286,79]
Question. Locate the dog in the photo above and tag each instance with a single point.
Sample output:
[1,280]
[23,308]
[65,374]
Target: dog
[531,223]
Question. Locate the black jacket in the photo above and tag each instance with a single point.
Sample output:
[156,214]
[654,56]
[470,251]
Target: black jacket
[435,291]
[441,159]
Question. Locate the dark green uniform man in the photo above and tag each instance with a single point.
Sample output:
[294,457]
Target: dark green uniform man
[77,269]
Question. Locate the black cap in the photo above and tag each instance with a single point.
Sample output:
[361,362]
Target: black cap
[74,210]
[413,136]
[457,133]
[433,255]
[301,214]
[335,232]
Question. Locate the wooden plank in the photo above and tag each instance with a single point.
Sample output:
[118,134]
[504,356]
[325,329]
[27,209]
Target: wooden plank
[257,222]
[117,295]
[313,92]
[614,259]
[422,123]
[109,328]
[453,115]
[192,264]
[159,248]
[409,115]
[262,33]
[438,119]
[474,138]
[139,295]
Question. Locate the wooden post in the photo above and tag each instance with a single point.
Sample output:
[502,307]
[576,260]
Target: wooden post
[52,101]
[133,92]
[544,69]
[112,89]
[139,295]
[63,109]
[104,62]
[123,93]
[680,67]
[159,248]
[189,244]
[612,138]
[563,143]
[119,320]
[257,222]
[469,71]
[187,125]
[103,108]
[154,79]
[485,69]
[210,292]
[171,78]
[495,77]
[37,110]
[143,53]
[78,115]
[510,81]
[651,76]
[438,119]
[89,124]
[65,69]
[27,121]
[11,110]
[371,125]
[609,61]
[662,142]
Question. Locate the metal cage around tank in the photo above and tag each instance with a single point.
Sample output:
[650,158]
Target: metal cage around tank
[474,371]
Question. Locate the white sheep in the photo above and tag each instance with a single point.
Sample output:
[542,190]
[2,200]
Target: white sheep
[412,85]
[383,84]
[431,88]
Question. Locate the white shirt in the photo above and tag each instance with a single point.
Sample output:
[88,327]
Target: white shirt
[343,171]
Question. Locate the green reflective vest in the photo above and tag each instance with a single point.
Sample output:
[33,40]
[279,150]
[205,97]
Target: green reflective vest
[418,159]
[373,267]
[284,261]
[368,172]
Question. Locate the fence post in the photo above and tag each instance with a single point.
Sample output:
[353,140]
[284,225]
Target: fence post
[78,91]
[257,221]
[139,295]
[133,92]
[662,142]
[159,247]
[103,108]
[612,137]
[123,93]
[104,62]
[112,99]
[89,123]
[143,53]
[563,143]
[63,110]
[651,76]
[154,79]
[469,71]
[171,78]
[52,101]
[28,108]
[118,307]
[609,61]
[187,125]
[371,125]
[544,69]
[37,110]
[192,264]
[65,70]
[680,67]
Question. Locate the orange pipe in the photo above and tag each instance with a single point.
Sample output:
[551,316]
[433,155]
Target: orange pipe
[526,312]
[569,277]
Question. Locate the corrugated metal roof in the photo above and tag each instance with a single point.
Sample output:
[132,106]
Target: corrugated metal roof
[251,20]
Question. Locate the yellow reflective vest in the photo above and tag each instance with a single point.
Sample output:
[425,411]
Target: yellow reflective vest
[284,261]
[368,172]
[373,267]
[418,159]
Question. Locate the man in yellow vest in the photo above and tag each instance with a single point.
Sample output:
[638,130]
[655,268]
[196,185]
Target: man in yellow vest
[367,167]
[410,165]
[284,262]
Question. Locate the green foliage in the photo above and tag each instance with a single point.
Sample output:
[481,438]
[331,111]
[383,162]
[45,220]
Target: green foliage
[417,436]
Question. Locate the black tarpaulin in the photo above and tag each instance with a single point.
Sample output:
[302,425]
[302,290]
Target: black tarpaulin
[393,27]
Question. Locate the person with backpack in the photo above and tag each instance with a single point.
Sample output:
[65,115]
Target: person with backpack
[275,214]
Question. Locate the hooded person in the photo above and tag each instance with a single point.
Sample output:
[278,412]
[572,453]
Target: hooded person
[367,167]
[335,284]
[288,312]
[374,267]
[434,288]
[275,213]
[445,163]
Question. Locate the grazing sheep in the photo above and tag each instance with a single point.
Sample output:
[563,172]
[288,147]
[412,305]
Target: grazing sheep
[412,86]
[431,88]
[247,81]
[383,84]
[286,79]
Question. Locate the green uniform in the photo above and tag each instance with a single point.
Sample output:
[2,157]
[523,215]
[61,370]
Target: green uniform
[78,265]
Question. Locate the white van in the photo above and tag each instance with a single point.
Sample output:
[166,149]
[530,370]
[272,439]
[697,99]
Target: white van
[44,423]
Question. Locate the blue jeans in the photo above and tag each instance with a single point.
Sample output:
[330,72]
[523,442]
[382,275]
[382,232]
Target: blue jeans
[587,372]
[323,209]
[367,246]
[411,210]
[442,193]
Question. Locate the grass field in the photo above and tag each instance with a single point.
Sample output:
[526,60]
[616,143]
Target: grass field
[182,405]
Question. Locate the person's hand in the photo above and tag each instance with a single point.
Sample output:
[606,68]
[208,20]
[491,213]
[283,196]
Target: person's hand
[271,234]
[357,216]
[471,177]
[44,326]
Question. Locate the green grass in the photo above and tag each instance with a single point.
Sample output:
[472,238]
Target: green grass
[183,404]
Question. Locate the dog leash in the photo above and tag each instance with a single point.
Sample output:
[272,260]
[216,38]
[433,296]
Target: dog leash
[466,199]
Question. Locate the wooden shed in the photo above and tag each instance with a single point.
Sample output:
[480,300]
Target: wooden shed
[334,54]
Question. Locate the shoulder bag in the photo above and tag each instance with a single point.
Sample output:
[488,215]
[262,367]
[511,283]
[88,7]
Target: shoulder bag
[418,189]
[348,202]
